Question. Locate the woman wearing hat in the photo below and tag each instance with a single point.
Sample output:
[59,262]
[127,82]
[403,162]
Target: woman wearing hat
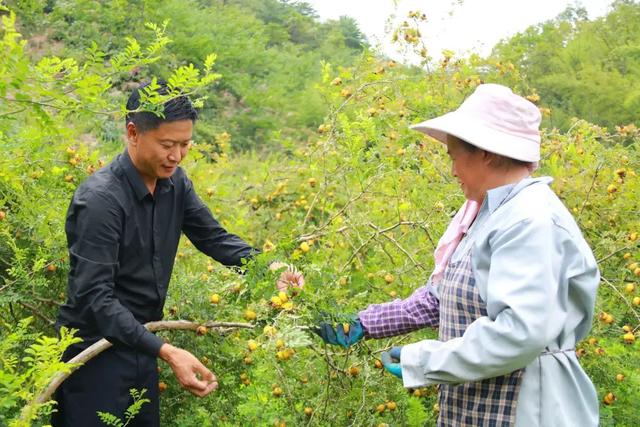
[513,289]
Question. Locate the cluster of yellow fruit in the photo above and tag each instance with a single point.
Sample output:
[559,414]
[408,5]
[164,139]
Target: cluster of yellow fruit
[281,301]
[389,406]
[245,378]
[283,353]
[606,318]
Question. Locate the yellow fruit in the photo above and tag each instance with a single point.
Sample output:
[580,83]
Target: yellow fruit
[629,338]
[209,268]
[68,178]
[268,246]
[354,371]
[162,386]
[627,255]
[214,298]
[276,301]
[627,328]
[336,82]
[612,189]
[283,297]
[636,271]
[250,315]
[345,93]
[287,306]
[252,345]
[209,192]
[308,411]
[201,330]
[3,215]
[279,343]
[393,294]
[304,247]
[277,392]
[312,182]
[269,331]
[593,341]
[633,236]
[619,377]
[636,301]
[343,281]
[51,268]
[247,360]
[629,288]
[392,405]
[389,278]
[377,364]
[609,398]
[417,393]
[380,408]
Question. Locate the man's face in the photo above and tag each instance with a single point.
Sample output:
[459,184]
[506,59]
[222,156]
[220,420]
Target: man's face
[158,152]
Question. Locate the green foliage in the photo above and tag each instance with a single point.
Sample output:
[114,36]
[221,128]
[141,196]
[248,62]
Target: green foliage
[356,204]
[582,68]
[26,373]
[269,54]
[130,413]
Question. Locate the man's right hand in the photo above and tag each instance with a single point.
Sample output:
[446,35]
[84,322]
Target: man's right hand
[192,375]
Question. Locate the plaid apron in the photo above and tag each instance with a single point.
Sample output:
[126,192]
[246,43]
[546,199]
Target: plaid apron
[491,402]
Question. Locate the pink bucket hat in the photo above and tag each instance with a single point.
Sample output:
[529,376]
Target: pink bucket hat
[492,118]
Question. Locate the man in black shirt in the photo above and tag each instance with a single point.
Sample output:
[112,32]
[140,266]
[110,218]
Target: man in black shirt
[123,227]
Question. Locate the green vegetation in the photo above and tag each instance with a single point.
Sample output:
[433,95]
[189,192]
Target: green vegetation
[304,150]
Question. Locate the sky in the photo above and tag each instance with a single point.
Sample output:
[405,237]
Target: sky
[458,25]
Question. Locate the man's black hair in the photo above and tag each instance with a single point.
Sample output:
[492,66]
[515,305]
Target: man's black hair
[179,108]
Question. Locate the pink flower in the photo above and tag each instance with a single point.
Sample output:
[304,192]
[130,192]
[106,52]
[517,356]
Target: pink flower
[290,277]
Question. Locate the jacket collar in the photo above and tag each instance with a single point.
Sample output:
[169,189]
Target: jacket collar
[500,195]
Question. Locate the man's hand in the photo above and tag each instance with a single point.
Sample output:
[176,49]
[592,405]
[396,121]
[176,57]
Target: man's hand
[192,375]
[391,361]
[344,335]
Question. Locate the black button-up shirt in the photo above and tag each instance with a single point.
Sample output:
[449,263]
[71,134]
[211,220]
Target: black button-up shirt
[122,245]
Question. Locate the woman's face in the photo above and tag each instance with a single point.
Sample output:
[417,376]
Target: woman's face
[469,167]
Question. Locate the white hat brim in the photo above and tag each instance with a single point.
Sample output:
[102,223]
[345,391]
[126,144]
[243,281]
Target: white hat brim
[479,134]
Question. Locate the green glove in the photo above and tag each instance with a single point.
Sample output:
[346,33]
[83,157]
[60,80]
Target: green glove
[344,335]
[391,361]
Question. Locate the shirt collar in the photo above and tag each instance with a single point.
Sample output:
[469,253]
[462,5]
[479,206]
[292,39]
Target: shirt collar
[133,175]
[139,187]
[499,195]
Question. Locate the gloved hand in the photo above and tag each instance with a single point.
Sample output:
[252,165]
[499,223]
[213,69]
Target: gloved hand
[345,334]
[391,361]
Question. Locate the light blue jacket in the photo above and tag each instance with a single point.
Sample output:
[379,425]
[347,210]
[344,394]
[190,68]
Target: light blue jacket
[538,278]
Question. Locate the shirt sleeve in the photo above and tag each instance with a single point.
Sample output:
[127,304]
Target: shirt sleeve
[208,235]
[94,230]
[526,307]
[397,317]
